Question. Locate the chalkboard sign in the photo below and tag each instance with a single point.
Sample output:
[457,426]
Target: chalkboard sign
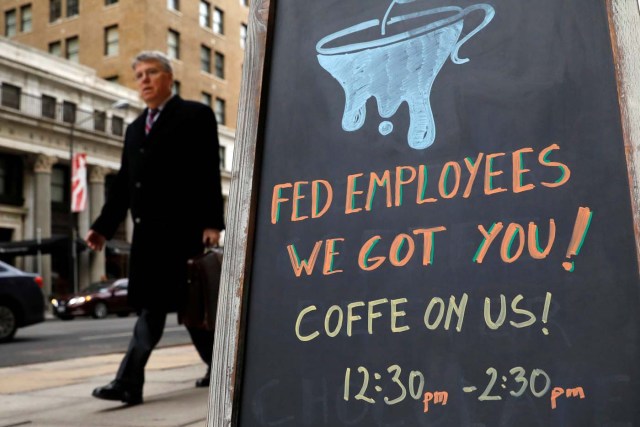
[434,223]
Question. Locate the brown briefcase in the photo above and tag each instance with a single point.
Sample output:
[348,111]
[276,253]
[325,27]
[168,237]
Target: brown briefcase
[202,290]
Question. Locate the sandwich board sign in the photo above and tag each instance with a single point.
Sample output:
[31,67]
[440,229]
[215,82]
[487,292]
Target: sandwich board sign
[434,217]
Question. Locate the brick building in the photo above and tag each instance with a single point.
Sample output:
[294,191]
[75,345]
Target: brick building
[204,38]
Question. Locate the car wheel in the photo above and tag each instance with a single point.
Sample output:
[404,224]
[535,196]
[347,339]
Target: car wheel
[100,311]
[8,323]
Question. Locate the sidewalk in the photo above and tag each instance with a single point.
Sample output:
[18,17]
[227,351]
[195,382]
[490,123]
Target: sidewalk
[58,394]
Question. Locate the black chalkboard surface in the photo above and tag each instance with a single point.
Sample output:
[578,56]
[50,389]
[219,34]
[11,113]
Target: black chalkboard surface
[443,233]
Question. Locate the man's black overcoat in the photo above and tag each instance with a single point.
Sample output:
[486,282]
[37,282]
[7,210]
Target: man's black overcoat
[170,181]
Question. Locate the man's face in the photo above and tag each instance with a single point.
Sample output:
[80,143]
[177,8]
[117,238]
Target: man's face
[154,83]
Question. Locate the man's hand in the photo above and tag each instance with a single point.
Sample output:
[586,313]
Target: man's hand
[210,237]
[95,240]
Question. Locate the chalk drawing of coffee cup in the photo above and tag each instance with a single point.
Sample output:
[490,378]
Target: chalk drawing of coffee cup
[397,68]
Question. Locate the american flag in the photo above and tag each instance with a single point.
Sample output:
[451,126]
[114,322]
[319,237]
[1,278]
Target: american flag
[79,182]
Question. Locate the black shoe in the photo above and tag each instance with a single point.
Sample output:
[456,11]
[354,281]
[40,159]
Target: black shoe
[116,391]
[204,381]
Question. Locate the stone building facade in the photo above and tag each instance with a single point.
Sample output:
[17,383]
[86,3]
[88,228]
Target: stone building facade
[48,104]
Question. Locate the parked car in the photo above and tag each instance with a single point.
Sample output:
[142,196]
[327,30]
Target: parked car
[97,300]
[21,300]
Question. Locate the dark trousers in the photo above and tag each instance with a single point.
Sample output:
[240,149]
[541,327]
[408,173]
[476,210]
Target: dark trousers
[146,335]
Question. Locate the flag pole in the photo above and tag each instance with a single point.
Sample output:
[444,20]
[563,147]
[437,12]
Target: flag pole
[72,229]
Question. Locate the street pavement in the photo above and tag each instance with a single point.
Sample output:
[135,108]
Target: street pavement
[58,394]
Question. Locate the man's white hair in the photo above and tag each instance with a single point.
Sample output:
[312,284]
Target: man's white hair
[153,55]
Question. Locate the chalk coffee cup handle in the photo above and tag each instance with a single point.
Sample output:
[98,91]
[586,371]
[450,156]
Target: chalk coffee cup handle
[489,13]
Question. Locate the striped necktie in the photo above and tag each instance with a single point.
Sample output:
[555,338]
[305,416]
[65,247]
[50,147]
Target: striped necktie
[151,118]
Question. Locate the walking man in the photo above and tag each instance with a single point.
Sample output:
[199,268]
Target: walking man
[169,179]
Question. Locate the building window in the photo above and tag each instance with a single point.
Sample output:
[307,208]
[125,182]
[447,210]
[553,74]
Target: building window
[243,36]
[173,4]
[58,186]
[218,21]
[205,14]
[10,20]
[221,154]
[72,49]
[175,89]
[206,98]
[26,20]
[117,125]
[219,65]
[55,10]
[55,48]
[11,172]
[111,40]
[205,59]
[73,7]
[11,96]
[68,112]
[108,2]
[219,111]
[3,176]
[48,107]
[173,44]
[99,120]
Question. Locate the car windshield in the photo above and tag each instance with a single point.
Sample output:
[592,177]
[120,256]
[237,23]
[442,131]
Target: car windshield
[96,287]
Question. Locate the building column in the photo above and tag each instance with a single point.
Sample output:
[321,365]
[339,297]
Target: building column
[128,228]
[84,274]
[97,262]
[42,165]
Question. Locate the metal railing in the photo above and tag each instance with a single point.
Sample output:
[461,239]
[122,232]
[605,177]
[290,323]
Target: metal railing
[49,108]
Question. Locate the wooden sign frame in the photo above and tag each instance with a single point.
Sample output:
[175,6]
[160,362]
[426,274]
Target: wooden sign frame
[624,21]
